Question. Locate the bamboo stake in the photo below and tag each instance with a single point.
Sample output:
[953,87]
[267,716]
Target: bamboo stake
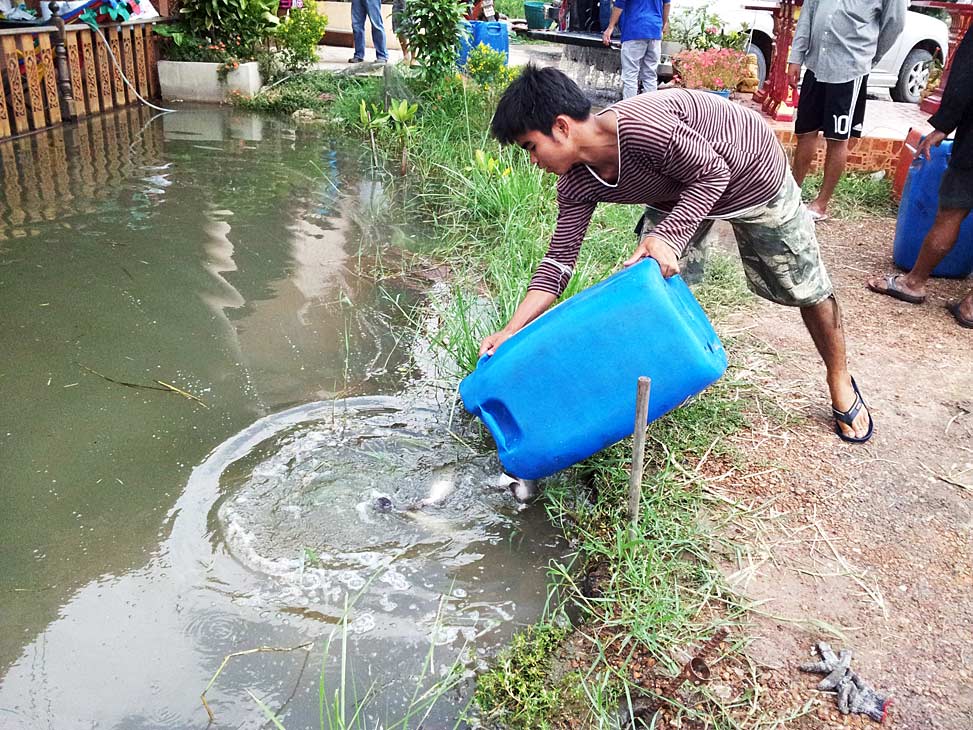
[638,450]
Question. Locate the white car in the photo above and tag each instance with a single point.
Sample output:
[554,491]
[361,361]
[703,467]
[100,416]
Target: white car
[904,70]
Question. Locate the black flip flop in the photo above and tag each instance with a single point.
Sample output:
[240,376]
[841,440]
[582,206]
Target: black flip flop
[963,321]
[848,417]
[892,290]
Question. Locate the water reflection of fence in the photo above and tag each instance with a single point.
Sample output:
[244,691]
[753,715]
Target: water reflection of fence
[36,93]
[73,168]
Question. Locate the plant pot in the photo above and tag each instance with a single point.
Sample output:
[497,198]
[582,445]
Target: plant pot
[670,48]
[198,81]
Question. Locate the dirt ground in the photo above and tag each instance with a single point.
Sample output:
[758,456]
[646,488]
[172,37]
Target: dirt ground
[874,541]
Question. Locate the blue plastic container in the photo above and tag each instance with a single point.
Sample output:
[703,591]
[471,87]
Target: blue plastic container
[493,34]
[563,388]
[920,201]
[465,42]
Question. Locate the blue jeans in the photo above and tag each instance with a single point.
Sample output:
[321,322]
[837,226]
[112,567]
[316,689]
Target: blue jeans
[373,8]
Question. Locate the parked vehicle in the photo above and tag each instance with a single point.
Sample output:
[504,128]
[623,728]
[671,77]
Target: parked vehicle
[904,70]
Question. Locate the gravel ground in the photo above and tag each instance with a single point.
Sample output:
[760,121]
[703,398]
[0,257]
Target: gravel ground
[873,541]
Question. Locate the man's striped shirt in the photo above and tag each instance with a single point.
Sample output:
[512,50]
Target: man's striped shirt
[690,153]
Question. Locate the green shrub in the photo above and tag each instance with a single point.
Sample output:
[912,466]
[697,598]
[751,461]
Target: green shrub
[227,32]
[298,35]
[432,29]
[488,67]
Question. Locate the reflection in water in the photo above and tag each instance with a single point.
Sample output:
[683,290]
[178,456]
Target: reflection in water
[217,252]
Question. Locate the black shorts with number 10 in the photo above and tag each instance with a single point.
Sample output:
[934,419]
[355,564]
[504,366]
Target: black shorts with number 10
[838,110]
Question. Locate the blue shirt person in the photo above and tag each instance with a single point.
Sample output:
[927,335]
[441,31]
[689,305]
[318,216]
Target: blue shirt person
[642,23]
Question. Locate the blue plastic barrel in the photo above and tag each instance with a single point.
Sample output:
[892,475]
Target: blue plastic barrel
[920,201]
[563,388]
[466,42]
[493,34]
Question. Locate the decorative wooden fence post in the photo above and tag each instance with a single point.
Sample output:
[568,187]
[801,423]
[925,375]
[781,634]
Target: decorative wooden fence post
[68,110]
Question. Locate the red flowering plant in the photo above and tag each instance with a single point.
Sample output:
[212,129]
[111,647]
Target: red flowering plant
[716,69]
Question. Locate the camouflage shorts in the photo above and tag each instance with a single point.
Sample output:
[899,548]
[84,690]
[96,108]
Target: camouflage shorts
[778,246]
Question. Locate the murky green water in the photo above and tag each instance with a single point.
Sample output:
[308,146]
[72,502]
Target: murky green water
[145,535]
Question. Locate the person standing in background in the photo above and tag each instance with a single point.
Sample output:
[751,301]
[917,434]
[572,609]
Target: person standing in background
[838,41]
[643,23]
[398,22]
[373,10]
[955,192]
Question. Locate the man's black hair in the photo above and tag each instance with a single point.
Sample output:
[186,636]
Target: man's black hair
[534,100]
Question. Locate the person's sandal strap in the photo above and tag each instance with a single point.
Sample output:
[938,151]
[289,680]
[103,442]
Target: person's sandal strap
[848,417]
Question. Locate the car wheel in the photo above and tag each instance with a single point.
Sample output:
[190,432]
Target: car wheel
[761,62]
[913,76]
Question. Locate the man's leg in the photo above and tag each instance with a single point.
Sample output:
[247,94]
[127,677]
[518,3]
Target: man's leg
[964,309]
[844,115]
[835,159]
[823,321]
[649,68]
[807,147]
[632,52]
[358,27]
[808,124]
[937,243]
[378,28]
[782,263]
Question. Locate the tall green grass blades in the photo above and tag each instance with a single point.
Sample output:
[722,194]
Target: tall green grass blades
[268,713]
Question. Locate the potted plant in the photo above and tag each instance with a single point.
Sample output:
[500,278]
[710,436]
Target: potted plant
[719,70]
[214,48]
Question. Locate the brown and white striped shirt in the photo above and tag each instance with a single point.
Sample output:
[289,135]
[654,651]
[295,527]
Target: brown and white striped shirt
[690,153]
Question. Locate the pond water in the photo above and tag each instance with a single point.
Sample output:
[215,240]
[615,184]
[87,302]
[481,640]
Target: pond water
[217,434]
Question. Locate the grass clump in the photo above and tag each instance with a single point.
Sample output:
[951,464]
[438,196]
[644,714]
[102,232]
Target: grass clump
[516,692]
[857,195]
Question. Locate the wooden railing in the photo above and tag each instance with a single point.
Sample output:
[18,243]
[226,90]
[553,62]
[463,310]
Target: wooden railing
[78,168]
[39,92]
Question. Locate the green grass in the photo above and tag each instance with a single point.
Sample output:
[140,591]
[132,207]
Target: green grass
[510,8]
[857,195]
[661,588]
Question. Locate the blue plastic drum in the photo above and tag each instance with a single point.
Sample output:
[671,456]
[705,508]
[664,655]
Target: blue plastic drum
[920,201]
[492,34]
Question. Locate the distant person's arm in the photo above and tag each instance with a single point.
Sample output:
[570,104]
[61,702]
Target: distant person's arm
[957,100]
[890,26]
[606,37]
[665,18]
[801,42]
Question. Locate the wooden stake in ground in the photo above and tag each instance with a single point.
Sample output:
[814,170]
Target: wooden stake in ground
[638,449]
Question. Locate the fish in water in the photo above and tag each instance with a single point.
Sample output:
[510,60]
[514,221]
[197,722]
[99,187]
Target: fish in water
[523,490]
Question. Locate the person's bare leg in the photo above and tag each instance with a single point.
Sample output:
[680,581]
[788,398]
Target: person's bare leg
[835,159]
[807,147]
[938,242]
[823,321]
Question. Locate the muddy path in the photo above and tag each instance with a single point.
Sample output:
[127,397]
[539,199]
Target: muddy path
[875,541]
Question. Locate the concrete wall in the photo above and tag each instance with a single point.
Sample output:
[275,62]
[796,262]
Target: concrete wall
[196,81]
